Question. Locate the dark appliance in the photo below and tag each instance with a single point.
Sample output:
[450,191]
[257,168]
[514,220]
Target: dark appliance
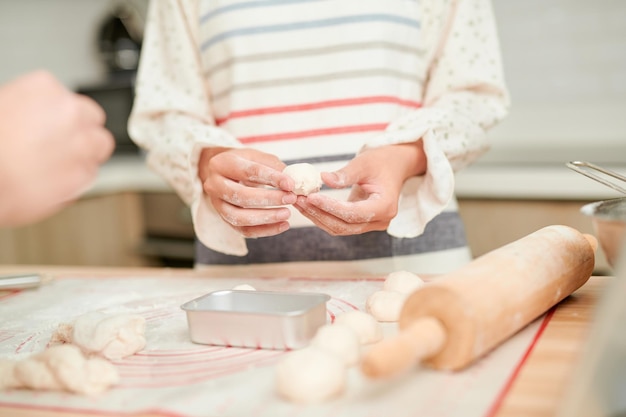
[119,45]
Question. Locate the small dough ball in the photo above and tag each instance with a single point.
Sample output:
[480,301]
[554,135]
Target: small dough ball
[402,281]
[308,180]
[244,287]
[34,373]
[340,340]
[364,325]
[63,367]
[310,375]
[77,373]
[7,375]
[385,305]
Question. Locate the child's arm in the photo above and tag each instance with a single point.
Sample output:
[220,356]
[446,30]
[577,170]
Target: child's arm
[172,117]
[465,95]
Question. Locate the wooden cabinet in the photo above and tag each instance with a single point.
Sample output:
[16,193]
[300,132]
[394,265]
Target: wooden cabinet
[102,230]
[490,224]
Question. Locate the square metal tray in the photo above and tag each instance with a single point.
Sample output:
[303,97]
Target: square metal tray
[256,319]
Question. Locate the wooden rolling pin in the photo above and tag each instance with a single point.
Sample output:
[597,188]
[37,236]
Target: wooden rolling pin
[455,320]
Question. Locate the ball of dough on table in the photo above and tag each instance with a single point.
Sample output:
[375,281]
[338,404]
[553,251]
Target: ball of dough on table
[385,305]
[61,367]
[244,287]
[367,328]
[7,375]
[402,281]
[310,375]
[306,177]
[340,340]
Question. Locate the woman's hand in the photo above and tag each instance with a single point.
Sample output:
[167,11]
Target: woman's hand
[247,188]
[376,176]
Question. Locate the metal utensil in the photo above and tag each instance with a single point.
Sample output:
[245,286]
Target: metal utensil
[21,281]
[587,168]
[608,217]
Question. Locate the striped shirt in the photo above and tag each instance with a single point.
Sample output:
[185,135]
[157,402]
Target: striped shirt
[316,81]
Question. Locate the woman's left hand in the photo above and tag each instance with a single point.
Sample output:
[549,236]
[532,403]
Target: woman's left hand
[376,176]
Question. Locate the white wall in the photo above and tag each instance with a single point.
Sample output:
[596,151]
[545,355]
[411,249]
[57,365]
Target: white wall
[59,35]
[565,63]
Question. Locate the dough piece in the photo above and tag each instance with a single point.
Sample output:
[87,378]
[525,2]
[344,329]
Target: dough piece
[385,305]
[340,340]
[310,375]
[111,336]
[7,375]
[308,180]
[402,281]
[244,287]
[61,367]
[363,324]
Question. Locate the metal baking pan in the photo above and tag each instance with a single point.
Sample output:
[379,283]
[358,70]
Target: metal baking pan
[256,319]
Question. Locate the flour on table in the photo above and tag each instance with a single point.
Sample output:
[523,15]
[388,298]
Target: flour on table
[59,368]
[310,375]
[110,336]
[308,180]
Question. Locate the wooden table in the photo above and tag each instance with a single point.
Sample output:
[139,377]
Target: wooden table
[539,380]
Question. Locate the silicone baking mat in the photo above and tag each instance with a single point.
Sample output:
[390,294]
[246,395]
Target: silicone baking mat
[173,376]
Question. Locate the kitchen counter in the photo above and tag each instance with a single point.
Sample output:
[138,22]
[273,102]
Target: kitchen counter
[541,182]
[499,203]
[535,386]
[492,181]
[124,173]
[140,221]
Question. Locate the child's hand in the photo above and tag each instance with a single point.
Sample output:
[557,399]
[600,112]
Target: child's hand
[239,181]
[376,177]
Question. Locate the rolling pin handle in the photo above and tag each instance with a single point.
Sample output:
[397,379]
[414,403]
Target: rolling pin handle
[419,341]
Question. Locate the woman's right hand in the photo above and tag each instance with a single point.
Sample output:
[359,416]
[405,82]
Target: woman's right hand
[247,188]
